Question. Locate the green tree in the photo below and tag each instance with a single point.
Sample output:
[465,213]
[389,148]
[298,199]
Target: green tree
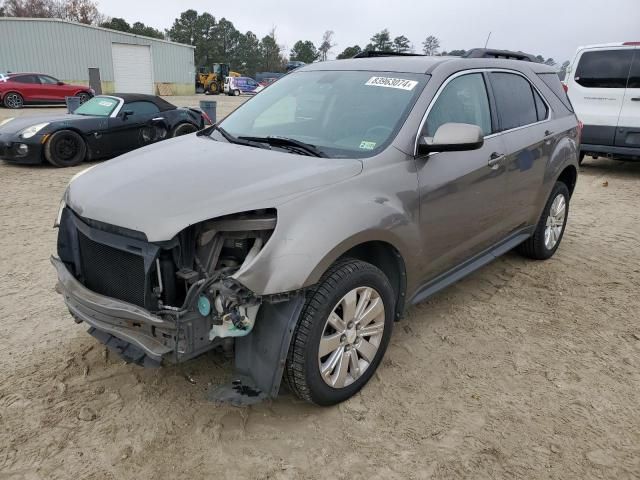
[271,56]
[304,51]
[401,44]
[381,41]
[455,53]
[116,23]
[249,54]
[550,61]
[349,52]
[140,28]
[430,45]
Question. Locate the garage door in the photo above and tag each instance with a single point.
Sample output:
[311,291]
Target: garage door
[132,68]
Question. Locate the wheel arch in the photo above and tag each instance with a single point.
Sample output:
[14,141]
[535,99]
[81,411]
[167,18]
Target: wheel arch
[388,259]
[569,177]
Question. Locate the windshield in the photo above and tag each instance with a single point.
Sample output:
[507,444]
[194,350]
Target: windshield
[98,107]
[342,113]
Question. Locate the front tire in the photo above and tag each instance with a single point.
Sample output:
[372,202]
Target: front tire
[83,96]
[65,148]
[550,228]
[13,100]
[342,333]
[236,93]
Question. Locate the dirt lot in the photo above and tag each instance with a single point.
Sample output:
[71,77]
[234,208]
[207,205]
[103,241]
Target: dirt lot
[524,370]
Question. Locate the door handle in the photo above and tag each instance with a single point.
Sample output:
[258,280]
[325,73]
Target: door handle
[635,99]
[495,159]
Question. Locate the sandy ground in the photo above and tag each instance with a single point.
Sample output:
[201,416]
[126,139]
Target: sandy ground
[523,370]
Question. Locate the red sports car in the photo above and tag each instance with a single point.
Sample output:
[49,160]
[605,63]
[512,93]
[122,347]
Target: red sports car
[19,89]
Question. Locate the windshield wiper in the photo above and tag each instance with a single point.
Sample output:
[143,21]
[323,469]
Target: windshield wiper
[287,143]
[228,137]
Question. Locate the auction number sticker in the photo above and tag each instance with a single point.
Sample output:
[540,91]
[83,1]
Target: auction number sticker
[389,82]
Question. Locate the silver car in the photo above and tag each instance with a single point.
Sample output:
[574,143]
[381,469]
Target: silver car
[299,229]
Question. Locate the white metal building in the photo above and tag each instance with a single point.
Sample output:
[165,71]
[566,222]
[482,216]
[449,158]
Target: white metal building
[66,50]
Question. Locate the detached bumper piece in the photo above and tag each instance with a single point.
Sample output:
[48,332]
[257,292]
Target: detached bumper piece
[127,351]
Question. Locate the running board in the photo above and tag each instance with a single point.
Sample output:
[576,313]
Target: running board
[444,280]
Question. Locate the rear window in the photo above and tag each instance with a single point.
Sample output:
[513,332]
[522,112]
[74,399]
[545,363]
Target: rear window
[552,81]
[604,69]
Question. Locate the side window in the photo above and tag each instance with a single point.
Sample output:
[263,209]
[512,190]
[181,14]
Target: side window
[46,80]
[541,107]
[514,100]
[604,69]
[141,108]
[25,79]
[463,100]
[552,81]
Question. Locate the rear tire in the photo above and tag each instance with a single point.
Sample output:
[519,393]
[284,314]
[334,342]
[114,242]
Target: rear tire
[183,129]
[65,148]
[358,298]
[236,93]
[13,100]
[550,228]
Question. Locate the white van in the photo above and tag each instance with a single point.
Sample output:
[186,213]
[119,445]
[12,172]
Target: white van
[603,84]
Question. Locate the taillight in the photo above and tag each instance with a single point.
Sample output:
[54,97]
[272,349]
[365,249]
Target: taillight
[636,44]
[565,86]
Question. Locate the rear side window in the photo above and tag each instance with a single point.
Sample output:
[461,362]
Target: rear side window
[514,100]
[541,108]
[463,100]
[25,79]
[604,69]
[552,81]
[634,76]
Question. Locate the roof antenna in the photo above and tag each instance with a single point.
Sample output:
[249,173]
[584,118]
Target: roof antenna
[487,42]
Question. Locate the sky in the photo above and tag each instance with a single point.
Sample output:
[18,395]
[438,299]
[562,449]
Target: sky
[551,28]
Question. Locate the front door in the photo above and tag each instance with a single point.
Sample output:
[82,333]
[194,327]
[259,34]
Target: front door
[134,127]
[462,194]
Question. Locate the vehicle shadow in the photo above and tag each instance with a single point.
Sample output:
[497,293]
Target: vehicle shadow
[603,165]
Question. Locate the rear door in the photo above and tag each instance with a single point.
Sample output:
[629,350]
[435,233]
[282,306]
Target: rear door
[526,128]
[28,86]
[628,132]
[597,90]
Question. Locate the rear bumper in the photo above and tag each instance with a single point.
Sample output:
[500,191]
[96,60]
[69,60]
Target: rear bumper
[630,153]
[123,320]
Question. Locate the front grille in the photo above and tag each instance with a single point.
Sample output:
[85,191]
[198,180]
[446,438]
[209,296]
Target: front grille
[112,272]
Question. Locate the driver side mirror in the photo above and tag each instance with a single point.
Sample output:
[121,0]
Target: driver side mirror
[126,114]
[452,137]
[60,83]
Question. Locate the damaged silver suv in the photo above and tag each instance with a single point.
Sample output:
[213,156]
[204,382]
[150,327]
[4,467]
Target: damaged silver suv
[300,228]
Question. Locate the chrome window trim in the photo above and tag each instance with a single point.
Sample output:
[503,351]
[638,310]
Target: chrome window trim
[481,70]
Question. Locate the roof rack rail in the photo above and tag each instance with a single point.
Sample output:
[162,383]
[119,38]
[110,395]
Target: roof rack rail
[492,53]
[378,53]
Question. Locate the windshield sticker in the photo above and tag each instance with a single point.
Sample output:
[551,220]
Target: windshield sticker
[106,103]
[389,82]
[364,145]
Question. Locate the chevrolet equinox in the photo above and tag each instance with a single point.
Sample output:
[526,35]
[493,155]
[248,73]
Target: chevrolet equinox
[299,229]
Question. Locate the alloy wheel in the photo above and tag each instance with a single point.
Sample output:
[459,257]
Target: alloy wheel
[351,337]
[555,221]
[13,100]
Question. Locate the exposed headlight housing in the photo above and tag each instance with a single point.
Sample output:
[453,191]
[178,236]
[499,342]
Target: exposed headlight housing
[32,130]
[5,121]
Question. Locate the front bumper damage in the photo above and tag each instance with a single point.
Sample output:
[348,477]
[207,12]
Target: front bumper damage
[141,337]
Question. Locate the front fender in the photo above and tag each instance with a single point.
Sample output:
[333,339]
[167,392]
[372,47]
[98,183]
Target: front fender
[312,232]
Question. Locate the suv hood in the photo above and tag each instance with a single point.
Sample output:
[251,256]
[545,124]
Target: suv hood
[163,188]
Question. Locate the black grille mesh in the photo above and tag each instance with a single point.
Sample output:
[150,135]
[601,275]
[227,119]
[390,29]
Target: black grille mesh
[112,272]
